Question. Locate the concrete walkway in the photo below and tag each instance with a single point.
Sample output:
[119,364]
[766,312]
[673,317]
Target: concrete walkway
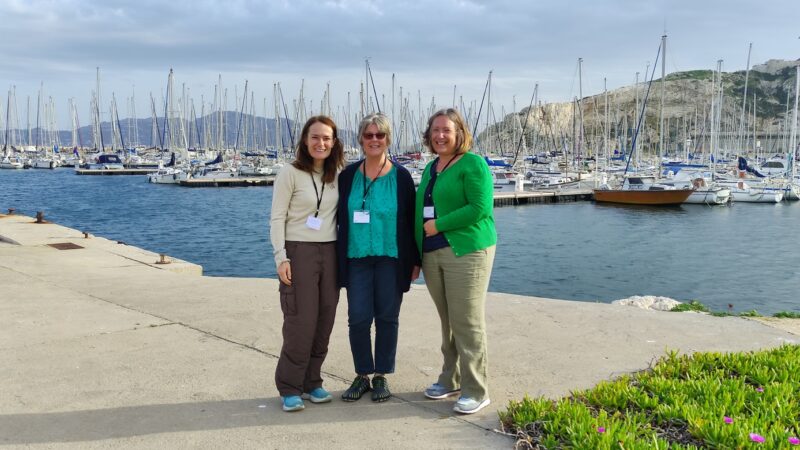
[104,348]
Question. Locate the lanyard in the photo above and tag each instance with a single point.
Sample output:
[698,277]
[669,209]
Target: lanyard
[367,188]
[317,194]
[435,175]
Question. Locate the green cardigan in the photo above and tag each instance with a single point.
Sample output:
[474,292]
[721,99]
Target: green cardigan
[464,200]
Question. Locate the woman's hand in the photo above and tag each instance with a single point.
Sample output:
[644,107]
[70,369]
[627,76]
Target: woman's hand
[415,273]
[285,273]
[430,228]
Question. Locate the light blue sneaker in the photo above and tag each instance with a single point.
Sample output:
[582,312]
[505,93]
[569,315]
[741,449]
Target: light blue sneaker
[318,395]
[466,405]
[292,403]
[436,391]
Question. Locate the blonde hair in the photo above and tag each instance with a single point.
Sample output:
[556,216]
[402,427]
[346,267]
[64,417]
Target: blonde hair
[380,121]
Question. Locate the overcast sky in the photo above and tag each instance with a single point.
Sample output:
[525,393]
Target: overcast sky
[431,46]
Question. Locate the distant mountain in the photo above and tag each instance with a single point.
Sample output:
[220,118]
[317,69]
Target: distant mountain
[687,106]
[253,132]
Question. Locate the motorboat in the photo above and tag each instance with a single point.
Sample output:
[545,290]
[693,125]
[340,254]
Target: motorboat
[642,190]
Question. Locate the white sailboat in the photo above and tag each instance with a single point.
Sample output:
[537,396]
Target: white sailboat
[172,172]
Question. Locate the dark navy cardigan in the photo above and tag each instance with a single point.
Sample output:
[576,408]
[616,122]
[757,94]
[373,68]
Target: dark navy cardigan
[407,252]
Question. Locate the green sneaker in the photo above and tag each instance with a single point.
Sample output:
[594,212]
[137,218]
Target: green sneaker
[380,389]
[359,387]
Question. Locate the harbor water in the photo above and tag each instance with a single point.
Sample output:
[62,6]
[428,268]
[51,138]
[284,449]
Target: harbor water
[743,255]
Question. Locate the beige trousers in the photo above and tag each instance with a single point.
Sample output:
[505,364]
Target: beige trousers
[458,287]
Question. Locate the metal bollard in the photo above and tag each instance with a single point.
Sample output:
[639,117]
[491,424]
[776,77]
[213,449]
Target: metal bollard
[11,211]
[40,217]
[162,259]
[86,235]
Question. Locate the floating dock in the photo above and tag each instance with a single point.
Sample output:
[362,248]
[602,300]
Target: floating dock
[114,171]
[526,197]
[228,182]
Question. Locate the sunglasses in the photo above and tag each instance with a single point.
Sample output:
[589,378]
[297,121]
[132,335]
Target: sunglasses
[369,136]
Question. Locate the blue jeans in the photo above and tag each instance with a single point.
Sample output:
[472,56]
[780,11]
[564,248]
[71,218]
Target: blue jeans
[372,295]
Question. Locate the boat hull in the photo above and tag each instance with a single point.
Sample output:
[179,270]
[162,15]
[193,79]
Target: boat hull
[757,196]
[713,196]
[642,197]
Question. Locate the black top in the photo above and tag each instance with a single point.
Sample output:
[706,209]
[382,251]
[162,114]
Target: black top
[437,241]
[407,252]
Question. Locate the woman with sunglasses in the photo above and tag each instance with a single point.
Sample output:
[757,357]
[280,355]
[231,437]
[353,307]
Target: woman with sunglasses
[378,258]
[302,232]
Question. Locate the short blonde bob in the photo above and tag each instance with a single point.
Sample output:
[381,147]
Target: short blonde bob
[380,121]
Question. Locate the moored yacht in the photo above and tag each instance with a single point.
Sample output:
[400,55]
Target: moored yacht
[642,190]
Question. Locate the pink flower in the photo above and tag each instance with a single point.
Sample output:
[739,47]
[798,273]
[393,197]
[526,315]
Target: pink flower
[728,420]
[601,429]
[794,441]
[756,437]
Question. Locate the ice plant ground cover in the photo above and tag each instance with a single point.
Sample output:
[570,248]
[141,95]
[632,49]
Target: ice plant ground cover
[704,400]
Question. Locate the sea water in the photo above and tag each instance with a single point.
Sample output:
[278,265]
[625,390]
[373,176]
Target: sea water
[744,255]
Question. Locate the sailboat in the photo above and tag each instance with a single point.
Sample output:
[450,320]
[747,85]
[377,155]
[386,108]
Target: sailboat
[8,160]
[643,189]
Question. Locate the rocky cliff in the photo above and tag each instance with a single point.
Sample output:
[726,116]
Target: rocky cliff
[687,109]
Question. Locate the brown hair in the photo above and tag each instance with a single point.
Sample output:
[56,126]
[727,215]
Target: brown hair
[463,136]
[333,163]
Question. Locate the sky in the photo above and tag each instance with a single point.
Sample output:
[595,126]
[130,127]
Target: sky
[433,48]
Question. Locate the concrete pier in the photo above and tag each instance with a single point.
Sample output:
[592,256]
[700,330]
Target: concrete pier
[105,348]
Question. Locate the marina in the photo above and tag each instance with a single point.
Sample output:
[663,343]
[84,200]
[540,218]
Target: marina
[741,254]
[642,156]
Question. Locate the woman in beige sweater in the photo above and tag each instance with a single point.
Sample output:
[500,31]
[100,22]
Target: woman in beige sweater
[303,236]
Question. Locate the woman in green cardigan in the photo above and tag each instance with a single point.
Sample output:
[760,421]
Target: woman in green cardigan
[455,233]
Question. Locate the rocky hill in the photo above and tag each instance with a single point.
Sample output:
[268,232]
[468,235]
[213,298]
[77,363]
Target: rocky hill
[687,108]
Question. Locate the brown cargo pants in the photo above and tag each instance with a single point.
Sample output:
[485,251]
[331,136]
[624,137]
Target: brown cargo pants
[309,310]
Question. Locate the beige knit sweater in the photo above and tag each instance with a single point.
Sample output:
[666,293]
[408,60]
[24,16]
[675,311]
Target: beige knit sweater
[293,200]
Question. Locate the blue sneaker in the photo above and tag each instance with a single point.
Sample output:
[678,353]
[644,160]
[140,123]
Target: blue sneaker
[292,403]
[436,391]
[318,395]
[466,405]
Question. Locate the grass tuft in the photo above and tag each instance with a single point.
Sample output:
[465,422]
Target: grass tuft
[787,315]
[693,305]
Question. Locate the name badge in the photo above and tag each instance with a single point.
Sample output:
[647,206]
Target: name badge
[427,212]
[315,223]
[360,216]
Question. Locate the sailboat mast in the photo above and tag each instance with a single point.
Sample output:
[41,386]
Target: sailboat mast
[661,130]
[793,136]
[744,98]
[99,119]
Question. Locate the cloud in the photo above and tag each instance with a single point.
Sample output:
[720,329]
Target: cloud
[431,47]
